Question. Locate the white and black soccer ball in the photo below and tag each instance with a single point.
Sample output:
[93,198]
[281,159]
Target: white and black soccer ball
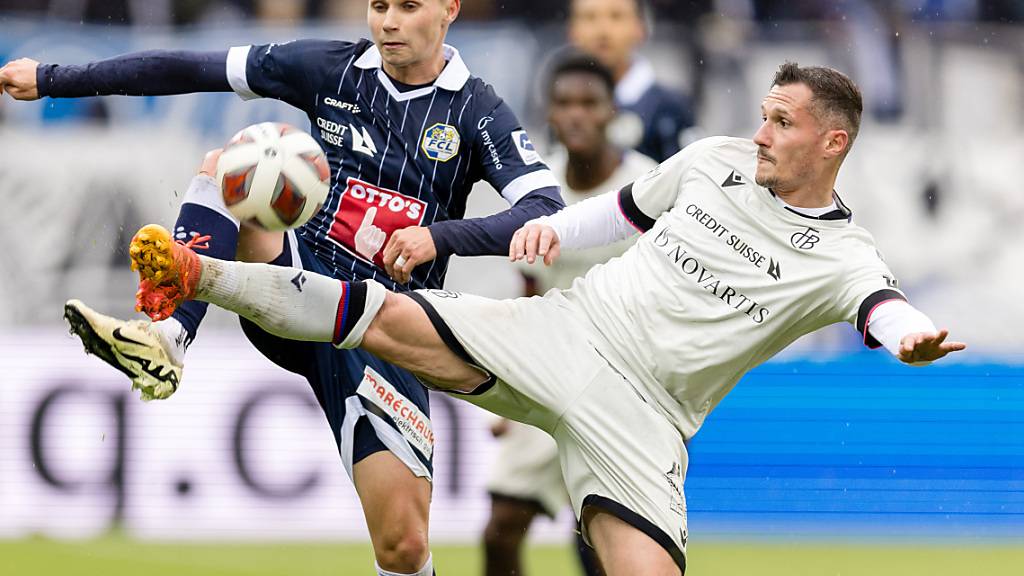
[273,175]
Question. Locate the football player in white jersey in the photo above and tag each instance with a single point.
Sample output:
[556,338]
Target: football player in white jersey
[525,478]
[745,248]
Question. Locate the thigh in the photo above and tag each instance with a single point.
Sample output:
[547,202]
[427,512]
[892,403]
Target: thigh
[623,549]
[534,348]
[395,501]
[621,456]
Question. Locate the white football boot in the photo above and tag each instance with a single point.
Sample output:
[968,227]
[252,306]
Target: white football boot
[134,347]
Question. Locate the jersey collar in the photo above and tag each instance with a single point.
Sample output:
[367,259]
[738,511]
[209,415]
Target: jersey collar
[636,82]
[453,77]
[840,210]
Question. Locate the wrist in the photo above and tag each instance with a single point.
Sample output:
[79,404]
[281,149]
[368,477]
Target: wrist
[440,238]
[44,78]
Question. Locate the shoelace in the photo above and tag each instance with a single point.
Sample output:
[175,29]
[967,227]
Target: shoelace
[194,242]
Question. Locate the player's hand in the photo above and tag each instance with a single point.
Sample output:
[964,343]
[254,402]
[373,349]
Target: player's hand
[533,240]
[407,249]
[18,78]
[209,166]
[927,346]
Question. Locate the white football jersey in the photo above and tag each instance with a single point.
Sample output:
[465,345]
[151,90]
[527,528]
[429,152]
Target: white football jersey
[724,277]
[573,264]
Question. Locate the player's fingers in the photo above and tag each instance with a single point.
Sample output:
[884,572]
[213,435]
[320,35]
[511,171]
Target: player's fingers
[513,246]
[553,252]
[532,240]
[391,252]
[545,241]
[407,267]
[940,337]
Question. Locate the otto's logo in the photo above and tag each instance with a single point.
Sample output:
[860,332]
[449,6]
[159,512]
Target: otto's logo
[441,142]
[805,240]
[368,215]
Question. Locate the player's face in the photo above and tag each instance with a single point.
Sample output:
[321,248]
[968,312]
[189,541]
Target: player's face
[581,108]
[609,29]
[410,31]
[790,140]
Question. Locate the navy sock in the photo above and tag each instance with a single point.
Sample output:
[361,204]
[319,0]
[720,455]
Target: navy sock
[200,215]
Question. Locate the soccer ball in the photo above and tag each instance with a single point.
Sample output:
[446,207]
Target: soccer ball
[274,176]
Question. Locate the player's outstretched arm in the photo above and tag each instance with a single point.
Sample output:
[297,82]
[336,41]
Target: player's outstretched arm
[151,73]
[593,222]
[927,346]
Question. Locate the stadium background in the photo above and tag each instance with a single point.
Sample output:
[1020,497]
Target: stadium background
[829,460]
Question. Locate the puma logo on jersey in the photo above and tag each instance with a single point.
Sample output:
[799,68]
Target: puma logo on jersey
[734,179]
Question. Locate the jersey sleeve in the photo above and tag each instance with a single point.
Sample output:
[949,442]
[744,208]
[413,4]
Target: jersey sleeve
[867,284]
[290,71]
[506,157]
[654,193]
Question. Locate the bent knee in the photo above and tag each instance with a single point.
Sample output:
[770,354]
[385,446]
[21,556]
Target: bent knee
[403,552]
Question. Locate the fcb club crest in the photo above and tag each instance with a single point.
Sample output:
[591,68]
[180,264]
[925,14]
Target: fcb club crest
[441,142]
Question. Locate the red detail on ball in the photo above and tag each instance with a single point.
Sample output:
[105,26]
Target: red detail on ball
[287,129]
[239,138]
[235,186]
[287,201]
[319,163]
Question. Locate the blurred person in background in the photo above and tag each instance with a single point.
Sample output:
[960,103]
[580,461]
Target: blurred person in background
[400,116]
[526,479]
[652,119]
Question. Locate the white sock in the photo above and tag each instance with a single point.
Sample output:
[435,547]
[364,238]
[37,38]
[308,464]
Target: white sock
[288,302]
[174,337]
[426,570]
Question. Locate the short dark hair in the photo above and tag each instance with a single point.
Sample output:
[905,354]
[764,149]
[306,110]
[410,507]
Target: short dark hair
[835,96]
[579,62]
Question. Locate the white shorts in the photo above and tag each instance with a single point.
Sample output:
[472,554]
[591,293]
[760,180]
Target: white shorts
[617,451]
[526,468]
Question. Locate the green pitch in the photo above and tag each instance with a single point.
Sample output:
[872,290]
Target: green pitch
[116,557]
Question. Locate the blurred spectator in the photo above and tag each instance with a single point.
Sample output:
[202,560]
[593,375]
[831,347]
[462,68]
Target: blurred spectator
[652,118]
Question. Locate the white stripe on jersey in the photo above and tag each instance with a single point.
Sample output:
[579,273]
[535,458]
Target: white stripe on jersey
[238,56]
[516,189]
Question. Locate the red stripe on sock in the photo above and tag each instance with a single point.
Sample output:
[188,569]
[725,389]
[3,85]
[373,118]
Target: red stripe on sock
[340,315]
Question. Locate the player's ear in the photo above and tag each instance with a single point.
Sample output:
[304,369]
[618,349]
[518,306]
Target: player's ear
[836,143]
[452,9]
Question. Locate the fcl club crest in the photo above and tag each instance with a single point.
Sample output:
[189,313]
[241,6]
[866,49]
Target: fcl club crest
[441,142]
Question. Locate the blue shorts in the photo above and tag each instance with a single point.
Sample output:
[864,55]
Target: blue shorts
[371,405]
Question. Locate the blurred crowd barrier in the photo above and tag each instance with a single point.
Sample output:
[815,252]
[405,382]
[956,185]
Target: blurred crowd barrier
[860,447]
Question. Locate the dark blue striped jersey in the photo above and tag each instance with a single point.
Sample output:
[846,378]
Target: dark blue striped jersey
[651,118]
[397,158]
